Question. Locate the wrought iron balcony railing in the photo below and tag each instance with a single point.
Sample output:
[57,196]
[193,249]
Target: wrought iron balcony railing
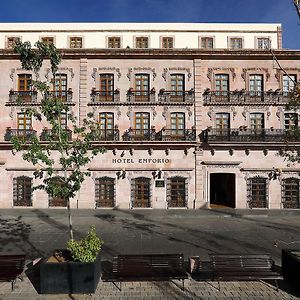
[64,96]
[140,96]
[139,135]
[176,96]
[21,133]
[105,96]
[176,135]
[46,135]
[243,98]
[249,135]
[23,96]
[106,135]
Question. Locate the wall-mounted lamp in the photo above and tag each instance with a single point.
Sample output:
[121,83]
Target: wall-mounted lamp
[131,151]
[157,174]
[114,151]
[150,151]
[123,153]
[121,174]
[167,151]
[275,174]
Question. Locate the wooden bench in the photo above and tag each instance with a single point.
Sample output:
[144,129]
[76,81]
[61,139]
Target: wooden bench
[11,268]
[228,267]
[152,267]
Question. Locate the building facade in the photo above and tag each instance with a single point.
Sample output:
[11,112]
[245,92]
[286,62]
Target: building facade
[191,115]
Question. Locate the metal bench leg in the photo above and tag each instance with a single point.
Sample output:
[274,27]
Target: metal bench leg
[183,284]
[219,286]
[277,289]
[13,284]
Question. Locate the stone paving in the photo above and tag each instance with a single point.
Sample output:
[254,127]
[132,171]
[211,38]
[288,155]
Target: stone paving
[38,232]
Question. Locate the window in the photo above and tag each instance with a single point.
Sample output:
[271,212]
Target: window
[177,87]
[106,120]
[75,42]
[222,124]
[64,120]
[290,121]
[47,40]
[24,122]
[105,192]
[256,86]
[142,125]
[235,43]
[114,42]
[290,193]
[60,86]
[57,201]
[167,42]
[142,87]
[177,192]
[22,191]
[263,43]
[257,121]
[257,192]
[177,125]
[207,42]
[141,42]
[288,84]
[222,86]
[106,92]
[25,87]
[11,41]
[140,190]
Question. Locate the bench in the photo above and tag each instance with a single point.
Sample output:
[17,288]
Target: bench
[228,267]
[152,267]
[11,268]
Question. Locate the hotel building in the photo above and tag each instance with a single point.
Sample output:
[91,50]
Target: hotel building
[191,115]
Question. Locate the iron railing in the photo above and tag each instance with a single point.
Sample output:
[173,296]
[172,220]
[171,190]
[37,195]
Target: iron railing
[176,135]
[21,133]
[46,135]
[106,135]
[23,96]
[105,96]
[249,135]
[64,96]
[140,96]
[139,135]
[176,96]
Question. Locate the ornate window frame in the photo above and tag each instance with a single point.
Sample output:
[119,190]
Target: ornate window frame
[212,72]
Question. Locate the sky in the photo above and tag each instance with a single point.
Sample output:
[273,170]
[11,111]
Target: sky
[195,11]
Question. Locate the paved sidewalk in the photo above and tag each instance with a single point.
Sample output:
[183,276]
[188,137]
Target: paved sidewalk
[192,232]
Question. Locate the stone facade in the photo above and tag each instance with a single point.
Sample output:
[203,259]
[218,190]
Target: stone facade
[213,120]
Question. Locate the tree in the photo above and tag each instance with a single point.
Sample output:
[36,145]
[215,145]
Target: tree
[60,162]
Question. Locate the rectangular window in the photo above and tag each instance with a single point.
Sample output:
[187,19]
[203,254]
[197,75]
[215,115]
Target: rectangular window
[141,42]
[290,193]
[24,122]
[60,86]
[236,43]
[142,87]
[257,121]
[142,125]
[177,125]
[290,121]
[207,42]
[288,84]
[105,192]
[177,87]
[114,42]
[75,42]
[106,121]
[47,40]
[257,192]
[106,92]
[25,87]
[222,124]
[11,41]
[177,190]
[58,201]
[263,43]
[167,42]
[256,86]
[141,192]
[222,87]
[22,191]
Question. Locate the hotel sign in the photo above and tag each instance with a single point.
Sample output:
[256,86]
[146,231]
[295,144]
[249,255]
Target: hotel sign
[141,160]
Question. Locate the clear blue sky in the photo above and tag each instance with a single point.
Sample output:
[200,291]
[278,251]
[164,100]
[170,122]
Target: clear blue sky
[258,11]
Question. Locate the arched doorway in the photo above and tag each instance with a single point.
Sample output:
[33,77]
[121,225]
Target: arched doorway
[222,189]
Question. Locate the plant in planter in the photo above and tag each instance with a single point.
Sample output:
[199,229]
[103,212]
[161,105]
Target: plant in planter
[60,161]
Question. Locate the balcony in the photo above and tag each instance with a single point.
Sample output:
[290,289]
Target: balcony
[64,96]
[20,133]
[24,97]
[245,98]
[249,135]
[105,96]
[140,96]
[176,96]
[106,135]
[46,135]
[140,135]
[176,135]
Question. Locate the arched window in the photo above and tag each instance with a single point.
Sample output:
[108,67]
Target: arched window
[22,191]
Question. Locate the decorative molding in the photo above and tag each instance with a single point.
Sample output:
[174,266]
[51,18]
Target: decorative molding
[244,113]
[279,72]
[154,112]
[146,69]
[210,72]
[268,113]
[246,70]
[118,112]
[164,112]
[129,112]
[112,69]
[188,70]
[189,112]
[70,70]
[164,74]
[234,112]
[11,74]
[279,113]
[128,75]
[210,112]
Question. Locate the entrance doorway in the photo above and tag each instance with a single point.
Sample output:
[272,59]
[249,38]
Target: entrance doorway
[222,189]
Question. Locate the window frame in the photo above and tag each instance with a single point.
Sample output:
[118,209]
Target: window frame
[162,42]
[290,203]
[230,38]
[258,203]
[108,194]
[113,37]
[76,37]
[26,183]
[141,37]
[206,38]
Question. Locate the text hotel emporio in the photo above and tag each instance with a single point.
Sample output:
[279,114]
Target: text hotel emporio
[141,161]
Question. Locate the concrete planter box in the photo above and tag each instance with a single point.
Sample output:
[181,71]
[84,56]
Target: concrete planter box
[69,277]
[291,266]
